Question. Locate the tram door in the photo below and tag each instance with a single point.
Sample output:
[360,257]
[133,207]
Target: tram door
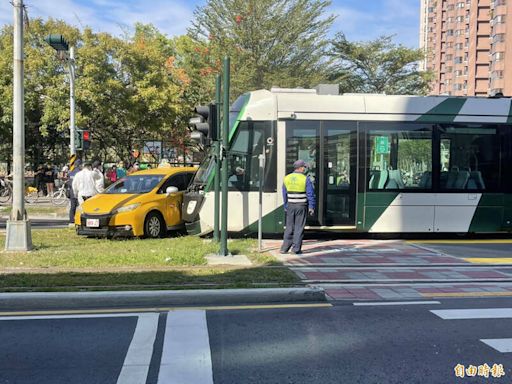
[330,150]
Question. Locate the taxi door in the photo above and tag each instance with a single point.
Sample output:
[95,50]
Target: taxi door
[173,201]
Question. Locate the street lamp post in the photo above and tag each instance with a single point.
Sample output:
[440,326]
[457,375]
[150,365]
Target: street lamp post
[18,237]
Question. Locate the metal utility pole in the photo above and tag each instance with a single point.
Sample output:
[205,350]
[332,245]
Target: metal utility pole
[67,53]
[18,236]
[72,129]
[261,158]
[216,181]
[225,144]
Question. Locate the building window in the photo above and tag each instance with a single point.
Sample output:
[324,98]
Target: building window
[498,56]
[458,60]
[498,38]
[461,4]
[449,32]
[458,72]
[500,19]
[449,57]
[460,19]
[497,74]
[459,46]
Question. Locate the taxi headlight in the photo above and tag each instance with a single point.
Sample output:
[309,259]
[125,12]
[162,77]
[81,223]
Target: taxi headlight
[191,206]
[126,208]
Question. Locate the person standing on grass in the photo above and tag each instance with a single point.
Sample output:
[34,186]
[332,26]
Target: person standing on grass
[299,200]
[84,184]
[98,176]
[73,199]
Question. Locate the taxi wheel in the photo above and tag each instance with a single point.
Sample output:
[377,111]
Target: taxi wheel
[154,225]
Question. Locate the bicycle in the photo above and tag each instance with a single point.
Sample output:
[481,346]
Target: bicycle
[59,197]
[31,193]
[5,191]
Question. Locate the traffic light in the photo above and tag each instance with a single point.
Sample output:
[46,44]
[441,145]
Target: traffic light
[203,126]
[57,42]
[82,140]
[86,136]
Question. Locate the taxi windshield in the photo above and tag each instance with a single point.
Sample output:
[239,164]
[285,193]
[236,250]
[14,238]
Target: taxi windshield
[135,184]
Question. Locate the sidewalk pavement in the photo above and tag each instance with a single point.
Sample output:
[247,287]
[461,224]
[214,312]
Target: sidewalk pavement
[364,269]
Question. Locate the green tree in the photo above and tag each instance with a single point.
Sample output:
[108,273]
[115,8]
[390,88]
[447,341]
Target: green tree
[377,66]
[271,42]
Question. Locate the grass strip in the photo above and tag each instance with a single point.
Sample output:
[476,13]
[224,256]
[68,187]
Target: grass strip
[179,279]
[173,262]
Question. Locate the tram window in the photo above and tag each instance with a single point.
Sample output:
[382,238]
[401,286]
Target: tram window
[243,161]
[303,143]
[400,159]
[470,157]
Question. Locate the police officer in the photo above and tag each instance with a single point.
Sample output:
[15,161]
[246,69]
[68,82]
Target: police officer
[299,199]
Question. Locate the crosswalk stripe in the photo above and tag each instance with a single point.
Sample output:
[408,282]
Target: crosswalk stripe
[359,304]
[136,363]
[480,313]
[501,345]
[186,356]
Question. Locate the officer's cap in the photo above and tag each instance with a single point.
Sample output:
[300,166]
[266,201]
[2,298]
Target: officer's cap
[299,163]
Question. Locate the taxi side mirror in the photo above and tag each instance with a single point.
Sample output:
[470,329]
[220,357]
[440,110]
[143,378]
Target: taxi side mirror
[170,190]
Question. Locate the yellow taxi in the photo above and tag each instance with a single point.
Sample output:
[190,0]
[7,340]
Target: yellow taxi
[146,203]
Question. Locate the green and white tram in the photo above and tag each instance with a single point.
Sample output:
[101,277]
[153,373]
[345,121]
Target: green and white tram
[382,164]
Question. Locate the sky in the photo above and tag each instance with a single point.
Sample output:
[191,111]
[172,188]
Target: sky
[359,19]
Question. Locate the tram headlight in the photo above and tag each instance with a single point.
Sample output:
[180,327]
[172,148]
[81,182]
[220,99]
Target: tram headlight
[191,206]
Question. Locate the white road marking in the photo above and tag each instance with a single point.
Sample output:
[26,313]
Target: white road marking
[501,345]
[481,313]
[138,358]
[50,317]
[396,303]
[186,356]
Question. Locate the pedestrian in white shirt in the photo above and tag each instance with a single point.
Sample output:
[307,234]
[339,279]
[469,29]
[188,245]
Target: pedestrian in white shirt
[98,176]
[84,183]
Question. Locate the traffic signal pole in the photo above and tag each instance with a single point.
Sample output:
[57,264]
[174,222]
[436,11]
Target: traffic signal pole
[216,181]
[72,128]
[18,237]
[225,143]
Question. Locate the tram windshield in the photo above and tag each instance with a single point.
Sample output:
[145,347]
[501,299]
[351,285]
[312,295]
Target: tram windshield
[208,165]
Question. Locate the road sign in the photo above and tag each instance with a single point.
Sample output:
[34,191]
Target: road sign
[382,145]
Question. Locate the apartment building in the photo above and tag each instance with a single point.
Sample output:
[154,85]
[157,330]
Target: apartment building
[466,42]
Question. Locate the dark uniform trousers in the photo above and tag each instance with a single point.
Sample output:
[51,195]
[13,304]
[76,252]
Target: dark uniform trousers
[296,215]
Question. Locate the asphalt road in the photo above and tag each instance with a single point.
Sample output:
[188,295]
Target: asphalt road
[339,344]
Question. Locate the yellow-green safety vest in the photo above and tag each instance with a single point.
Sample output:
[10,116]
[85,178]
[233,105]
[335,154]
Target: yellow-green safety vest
[295,184]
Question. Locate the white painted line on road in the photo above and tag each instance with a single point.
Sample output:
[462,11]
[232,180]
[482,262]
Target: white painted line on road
[481,313]
[501,345]
[186,356]
[49,317]
[396,303]
[136,363]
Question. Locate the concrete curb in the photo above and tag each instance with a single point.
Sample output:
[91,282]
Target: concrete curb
[83,300]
